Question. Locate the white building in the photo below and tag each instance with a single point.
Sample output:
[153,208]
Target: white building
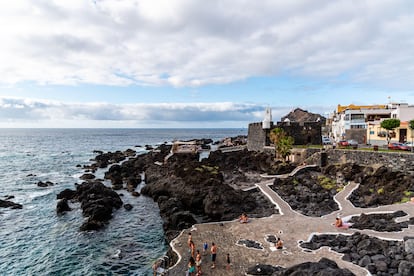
[346,120]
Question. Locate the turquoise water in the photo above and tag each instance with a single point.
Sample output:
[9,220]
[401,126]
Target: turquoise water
[36,241]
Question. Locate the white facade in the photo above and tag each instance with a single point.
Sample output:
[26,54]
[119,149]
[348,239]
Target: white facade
[356,119]
[402,111]
[364,117]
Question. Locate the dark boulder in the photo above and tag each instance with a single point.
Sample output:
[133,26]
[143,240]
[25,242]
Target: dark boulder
[62,206]
[44,184]
[324,267]
[97,203]
[10,204]
[67,194]
[128,207]
[91,225]
[87,176]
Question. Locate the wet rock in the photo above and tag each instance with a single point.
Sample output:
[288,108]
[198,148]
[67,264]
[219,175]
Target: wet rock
[44,184]
[135,193]
[62,206]
[128,207]
[10,204]
[87,176]
[67,194]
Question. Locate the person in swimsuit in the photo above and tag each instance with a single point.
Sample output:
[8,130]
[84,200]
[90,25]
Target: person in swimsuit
[279,244]
[338,222]
[213,254]
[198,263]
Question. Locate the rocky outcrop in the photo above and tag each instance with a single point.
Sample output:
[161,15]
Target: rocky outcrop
[323,267]
[10,204]
[379,257]
[97,203]
[45,184]
[188,191]
[103,160]
[300,115]
[308,192]
[62,206]
[383,187]
[379,222]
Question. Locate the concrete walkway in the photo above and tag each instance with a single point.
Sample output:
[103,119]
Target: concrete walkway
[292,227]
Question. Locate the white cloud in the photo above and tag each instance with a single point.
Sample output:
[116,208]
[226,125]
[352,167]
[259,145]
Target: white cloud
[19,112]
[195,43]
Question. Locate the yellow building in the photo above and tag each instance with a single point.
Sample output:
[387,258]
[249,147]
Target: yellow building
[378,134]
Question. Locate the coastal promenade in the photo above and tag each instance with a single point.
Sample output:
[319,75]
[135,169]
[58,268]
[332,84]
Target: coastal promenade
[291,226]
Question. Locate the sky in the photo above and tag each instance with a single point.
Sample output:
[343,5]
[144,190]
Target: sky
[197,63]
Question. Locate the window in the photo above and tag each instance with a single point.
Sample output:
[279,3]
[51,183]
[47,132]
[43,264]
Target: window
[357,117]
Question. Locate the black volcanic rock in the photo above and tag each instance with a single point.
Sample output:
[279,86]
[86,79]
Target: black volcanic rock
[382,257]
[308,192]
[10,204]
[62,206]
[87,176]
[97,203]
[300,115]
[44,184]
[382,187]
[67,194]
[128,207]
[189,191]
[379,222]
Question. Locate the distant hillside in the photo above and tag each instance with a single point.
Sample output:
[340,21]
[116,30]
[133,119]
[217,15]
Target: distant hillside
[300,115]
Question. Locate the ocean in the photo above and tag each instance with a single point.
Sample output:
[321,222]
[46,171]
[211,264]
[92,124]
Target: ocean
[34,240]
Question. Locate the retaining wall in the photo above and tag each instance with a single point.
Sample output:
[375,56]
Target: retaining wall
[397,161]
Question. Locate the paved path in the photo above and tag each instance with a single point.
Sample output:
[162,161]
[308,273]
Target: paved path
[292,227]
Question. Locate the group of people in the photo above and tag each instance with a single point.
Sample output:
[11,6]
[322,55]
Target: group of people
[194,263]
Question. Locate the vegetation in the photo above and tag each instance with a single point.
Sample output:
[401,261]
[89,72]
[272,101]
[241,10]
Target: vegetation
[203,168]
[326,182]
[390,124]
[283,143]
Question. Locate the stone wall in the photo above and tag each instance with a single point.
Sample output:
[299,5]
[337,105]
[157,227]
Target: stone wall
[397,161]
[304,133]
[257,137]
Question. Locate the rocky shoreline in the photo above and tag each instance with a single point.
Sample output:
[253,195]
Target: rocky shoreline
[220,188]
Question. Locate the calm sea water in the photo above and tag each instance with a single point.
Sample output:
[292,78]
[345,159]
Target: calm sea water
[35,241]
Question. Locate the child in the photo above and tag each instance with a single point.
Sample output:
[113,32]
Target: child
[205,247]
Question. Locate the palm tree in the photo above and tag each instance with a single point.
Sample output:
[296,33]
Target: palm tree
[283,143]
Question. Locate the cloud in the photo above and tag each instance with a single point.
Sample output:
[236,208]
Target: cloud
[17,112]
[192,43]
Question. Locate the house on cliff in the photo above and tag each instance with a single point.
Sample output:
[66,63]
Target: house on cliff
[303,126]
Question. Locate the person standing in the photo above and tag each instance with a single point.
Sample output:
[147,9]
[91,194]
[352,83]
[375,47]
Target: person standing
[191,267]
[213,254]
[205,246]
[198,263]
[192,248]
[228,261]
